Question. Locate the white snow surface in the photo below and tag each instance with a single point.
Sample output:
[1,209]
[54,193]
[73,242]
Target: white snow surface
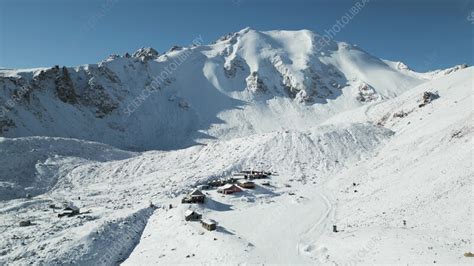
[341,130]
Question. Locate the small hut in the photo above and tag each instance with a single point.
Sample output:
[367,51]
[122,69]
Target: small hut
[25,223]
[247,184]
[209,225]
[229,189]
[190,215]
[216,183]
[256,175]
[196,196]
[69,211]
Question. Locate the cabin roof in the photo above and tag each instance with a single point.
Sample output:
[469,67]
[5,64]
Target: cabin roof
[207,221]
[196,192]
[227,186]
[71,208]
[189,212]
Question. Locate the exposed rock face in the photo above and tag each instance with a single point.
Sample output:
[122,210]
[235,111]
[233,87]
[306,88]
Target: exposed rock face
[400,114]
[112,57]
[19,91]
[402,66]
[145,54]
[183,104]
[427,98]
[231,37]
[307,92]
[366,93]
[64,86]
[175,48]
[232,66]
[315,87]
[5,124]
[255,83]
[95,95]
[454,69]
[290,87]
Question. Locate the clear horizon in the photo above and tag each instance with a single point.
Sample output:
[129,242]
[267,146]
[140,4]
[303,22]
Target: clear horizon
[426,35]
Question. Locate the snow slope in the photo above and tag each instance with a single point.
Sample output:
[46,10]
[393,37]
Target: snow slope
[126,185]
[399,171]
[423,175]
[31,163]
[192,94]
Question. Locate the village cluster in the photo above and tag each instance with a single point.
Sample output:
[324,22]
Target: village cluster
[226,186]
[66,209]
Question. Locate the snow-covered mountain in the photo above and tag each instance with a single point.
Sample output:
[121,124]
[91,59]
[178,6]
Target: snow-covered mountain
[380,151]
[245,83]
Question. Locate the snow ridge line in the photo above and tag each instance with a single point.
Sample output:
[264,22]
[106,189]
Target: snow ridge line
[118,238]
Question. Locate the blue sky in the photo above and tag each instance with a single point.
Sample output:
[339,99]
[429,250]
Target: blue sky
[425,34]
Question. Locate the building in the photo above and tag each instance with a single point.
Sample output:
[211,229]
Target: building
[190,215]
[229,189]
[262,174]
[255,174]
[209,225]
[69,211]
[222,181]
[203,187]
[247,184]
[216,183]
[25,223]
[196,196]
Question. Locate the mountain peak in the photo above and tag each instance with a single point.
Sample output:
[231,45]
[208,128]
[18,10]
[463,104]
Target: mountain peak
[274,70]
[146,53]
[245,30]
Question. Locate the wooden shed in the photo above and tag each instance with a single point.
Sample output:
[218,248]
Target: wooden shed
[196,196]
[247,184]
[190,215]
[209,225]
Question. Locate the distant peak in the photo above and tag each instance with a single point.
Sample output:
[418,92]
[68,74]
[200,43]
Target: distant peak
[234,35]
[175,48]
[145,53]
[245,30]
[402,66]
